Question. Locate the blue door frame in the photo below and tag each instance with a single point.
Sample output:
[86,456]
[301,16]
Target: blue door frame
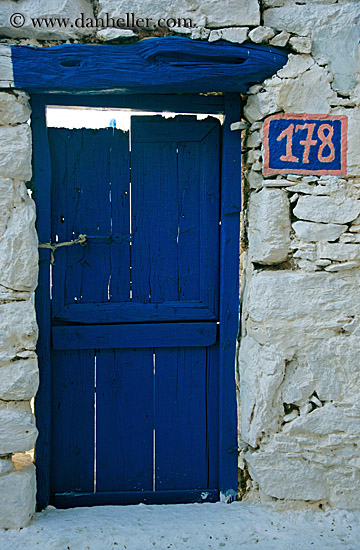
[229,290]
[189,67]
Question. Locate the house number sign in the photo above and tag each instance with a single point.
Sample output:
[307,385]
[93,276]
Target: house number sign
[305,144]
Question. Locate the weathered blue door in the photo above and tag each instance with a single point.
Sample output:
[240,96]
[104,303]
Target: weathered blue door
[135,311]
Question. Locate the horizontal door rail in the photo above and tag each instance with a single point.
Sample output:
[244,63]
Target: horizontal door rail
[134,336]
[69,500]
[133,312]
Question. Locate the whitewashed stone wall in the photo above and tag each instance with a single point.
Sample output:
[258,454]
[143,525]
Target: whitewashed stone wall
[298,355]
[19,376]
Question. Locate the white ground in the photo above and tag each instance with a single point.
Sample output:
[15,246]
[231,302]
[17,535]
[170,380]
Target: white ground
[186,526]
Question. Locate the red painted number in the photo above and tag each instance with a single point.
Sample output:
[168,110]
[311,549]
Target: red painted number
[326,141]
[288,134]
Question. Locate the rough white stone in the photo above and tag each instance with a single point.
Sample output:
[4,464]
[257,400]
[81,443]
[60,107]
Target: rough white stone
[309,231]
[6,68]
[298,382]
[228,13]
[18,238]
[17,427]
[17,495]
[15,152]
[282,477]
[342,267]
[45,8]
[200,33]
[290,308]
[109,34]
[327,209]
[253,140]
[328,25]
[348,238]
[19,380]
[6,465]
[309,93]
[300,44]
[254,179]
[307,265]
[261,372]
[261,34]
[297,64]
[353,168]
[18,329]
[339,251]
[277,183]
[269,226]
[215,35]
[14,108]
[260,105]
[235,34]
[291,416]
[280,40]
[325,420]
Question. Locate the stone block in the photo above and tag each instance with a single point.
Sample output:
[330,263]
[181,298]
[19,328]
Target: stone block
[229,13]
[18,238]
[334,364]
[288,308]
[6,465]
[17,427]
[312,232]
[327,210]
[30,9]
[296,65]
[235,35]
[19,380]
[269,226]
[327,24]
[18,330]
[300,44]
[325,420]
[261,34]
[14,108]
[17,495]
[353,161]
[287,478]
[15,152]
[339,251]
[309,93]
[280,40]
[261,370]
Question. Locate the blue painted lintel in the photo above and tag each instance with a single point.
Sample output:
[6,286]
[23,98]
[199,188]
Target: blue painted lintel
[157,65]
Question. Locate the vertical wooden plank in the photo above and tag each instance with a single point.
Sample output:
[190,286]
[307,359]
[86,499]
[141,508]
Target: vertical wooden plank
[209,218]
[154,220]
[189,220]
[181,450]
[119,172]
[72,457]
[124,420]
[229,296]
[212,413]
[41,188]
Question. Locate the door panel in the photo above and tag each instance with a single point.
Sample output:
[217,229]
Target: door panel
[90,182]
[72,447]
[124,420]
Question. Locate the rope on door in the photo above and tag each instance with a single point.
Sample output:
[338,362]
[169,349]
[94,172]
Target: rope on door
[53,246]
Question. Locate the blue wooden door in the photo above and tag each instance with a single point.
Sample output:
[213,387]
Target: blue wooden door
[135,313]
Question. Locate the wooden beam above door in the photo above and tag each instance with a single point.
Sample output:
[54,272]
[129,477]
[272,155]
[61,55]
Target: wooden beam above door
[157,65]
